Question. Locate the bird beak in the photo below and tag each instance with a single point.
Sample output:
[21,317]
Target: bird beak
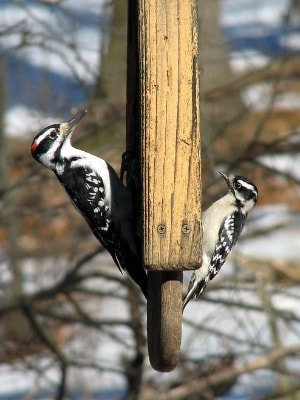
[66,128]
[228,179]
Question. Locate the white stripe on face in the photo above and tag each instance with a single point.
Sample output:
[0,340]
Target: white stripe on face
[43,136]
[246,185]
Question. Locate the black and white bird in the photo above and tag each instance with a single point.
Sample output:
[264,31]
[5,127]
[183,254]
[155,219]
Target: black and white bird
[96,191]
[222,224]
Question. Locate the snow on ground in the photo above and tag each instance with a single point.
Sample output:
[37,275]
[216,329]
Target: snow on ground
[248,60]
[59,64]
[93,346]
[260,12]
[285,163]
[23,121]
[257,30]
[262,96]
[292,41]
[281,244]
[241,327]
[81,60]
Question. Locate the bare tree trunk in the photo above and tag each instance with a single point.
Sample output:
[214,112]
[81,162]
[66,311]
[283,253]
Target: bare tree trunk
[109,101]
[107,105]
[15,325]
[215,72]
[9,199]
[112,81]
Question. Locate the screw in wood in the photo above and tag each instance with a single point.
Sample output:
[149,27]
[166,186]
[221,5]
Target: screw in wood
[185,229]
[161,229]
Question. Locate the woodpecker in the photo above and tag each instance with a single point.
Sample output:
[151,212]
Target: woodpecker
[96,192]
[222,225]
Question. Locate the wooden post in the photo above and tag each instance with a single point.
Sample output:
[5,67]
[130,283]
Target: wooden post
[169,125]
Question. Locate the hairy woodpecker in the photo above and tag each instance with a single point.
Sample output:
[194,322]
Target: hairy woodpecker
[222,225]
[96,191]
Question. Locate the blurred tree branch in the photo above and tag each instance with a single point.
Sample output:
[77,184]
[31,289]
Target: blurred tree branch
[67,295]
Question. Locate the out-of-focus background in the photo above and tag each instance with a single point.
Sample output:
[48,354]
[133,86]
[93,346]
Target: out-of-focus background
[71,326]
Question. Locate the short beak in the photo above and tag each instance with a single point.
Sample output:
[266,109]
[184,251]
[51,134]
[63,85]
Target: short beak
[66,128]
[227,179]
[224,176]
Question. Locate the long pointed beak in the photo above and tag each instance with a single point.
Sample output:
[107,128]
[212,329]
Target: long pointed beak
[74,121]
[66,128]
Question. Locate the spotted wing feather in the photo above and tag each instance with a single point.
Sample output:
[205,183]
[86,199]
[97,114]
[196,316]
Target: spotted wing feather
[89,195]
[228,235]
[90,199]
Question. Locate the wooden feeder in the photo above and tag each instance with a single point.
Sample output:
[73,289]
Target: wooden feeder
[163,95]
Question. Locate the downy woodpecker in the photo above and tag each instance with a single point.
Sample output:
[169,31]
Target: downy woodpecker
[222,225]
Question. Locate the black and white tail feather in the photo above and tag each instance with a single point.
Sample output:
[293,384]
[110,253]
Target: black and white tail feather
[96,191]
[222,225]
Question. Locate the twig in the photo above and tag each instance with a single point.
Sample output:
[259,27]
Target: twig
[49,342]
[198,386]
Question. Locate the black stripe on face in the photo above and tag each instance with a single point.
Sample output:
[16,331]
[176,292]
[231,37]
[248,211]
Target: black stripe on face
[44,140]
[246,187]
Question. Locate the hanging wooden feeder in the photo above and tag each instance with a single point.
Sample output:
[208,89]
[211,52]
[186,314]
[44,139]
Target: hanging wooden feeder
[163,52]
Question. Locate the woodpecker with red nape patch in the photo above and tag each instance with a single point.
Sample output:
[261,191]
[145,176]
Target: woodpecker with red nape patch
[96,191]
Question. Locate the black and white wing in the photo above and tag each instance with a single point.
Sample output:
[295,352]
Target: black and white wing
[107,210]
[228,235]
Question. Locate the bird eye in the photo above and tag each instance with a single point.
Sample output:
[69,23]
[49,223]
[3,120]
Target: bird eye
[237,185]
[53,134]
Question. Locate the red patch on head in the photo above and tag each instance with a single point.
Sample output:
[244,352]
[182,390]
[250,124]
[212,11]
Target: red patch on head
[34,147]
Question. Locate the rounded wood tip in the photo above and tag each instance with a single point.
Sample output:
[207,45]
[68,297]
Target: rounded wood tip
[164,310]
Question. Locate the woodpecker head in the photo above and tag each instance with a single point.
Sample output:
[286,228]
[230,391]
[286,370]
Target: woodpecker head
[48,143]
[244,190]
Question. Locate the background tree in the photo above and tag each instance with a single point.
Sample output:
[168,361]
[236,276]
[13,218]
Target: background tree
[67,315]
